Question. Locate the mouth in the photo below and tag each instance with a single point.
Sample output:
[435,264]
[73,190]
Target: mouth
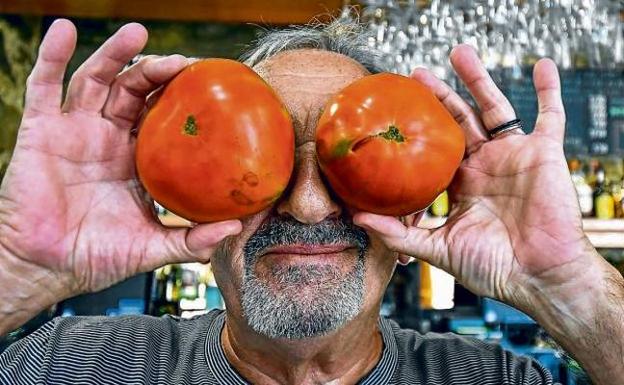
[325,260]
[309,254]
[307,249]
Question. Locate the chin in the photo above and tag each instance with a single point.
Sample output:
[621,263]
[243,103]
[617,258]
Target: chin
[304,301]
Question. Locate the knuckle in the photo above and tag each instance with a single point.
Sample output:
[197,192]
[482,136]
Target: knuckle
[178,56]
[148,58]
[138,65]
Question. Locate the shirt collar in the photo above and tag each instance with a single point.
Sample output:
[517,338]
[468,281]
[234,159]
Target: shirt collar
[225,374]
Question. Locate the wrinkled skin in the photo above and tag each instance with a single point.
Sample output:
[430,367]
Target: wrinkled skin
[74,219]
[70,205]
[515,218]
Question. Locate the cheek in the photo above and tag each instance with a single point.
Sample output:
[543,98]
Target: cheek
[228,260]
[227,266]
[380,264]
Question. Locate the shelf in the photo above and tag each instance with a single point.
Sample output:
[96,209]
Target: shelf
[604,225]
[431,222]
[239,11]
[171,220]
[605,234]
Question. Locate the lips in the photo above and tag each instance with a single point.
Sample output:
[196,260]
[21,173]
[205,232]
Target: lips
[307,249]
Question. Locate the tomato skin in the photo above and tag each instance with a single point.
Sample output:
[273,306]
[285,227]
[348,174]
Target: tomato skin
[218,144]
[401,173]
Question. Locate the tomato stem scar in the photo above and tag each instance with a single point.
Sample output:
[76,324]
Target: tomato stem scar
[393,134]
[190,127]
[343,146]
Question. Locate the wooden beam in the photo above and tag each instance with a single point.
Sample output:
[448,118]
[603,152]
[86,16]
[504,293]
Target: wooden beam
[256,11]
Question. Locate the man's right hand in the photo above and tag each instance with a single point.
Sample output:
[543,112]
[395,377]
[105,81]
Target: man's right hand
[73,216]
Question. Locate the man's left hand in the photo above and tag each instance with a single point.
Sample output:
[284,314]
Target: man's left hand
[515,230]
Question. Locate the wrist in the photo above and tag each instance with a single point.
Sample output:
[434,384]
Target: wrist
[584,313]
[25,290]
[573,291]
[567,284]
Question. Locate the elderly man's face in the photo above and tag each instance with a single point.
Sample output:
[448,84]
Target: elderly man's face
[301,268]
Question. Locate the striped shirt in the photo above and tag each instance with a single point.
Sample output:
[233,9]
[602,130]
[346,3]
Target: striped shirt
[157,351]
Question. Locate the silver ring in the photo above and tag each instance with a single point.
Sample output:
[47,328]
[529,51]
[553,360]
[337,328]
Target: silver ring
[511,125]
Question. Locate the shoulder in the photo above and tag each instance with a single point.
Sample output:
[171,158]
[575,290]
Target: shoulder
[450,358]
[94,335]
[120,327]
[122,332]
[106,346]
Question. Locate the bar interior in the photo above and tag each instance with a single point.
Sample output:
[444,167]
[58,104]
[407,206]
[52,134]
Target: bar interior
[584,38]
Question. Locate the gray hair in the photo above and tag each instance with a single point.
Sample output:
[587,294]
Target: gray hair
[302,301]
[345,36]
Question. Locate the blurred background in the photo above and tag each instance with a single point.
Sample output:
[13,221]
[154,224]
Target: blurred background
[584,37]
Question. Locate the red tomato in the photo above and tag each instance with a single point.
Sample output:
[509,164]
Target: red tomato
[387,145]
[218,144]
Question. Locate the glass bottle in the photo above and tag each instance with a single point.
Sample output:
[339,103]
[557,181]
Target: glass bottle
[440,206]
[172,290]
[617,194]
[592,168]
[583,189]
[604,207]
[621,209]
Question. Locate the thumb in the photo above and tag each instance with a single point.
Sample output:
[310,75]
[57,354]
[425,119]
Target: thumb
[183,245]
[423,244]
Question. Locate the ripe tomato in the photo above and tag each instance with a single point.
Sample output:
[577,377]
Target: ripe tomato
[218,144]
[387,145]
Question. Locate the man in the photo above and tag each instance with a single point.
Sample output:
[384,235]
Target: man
[303,280]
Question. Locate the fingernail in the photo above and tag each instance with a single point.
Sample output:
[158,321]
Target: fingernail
[57,21]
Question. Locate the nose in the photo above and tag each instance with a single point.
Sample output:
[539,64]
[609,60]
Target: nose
[309,200]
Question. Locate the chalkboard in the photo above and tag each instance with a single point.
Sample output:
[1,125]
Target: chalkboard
[593,100]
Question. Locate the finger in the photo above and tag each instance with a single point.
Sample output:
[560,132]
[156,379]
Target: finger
[551,116]
[186,245]
[149,102]
[44,89]
[463,114]
[90,85]
[494,106]
[412,241]
[130,89]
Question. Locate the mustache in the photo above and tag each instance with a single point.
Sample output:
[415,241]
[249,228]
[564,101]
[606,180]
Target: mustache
[278,231]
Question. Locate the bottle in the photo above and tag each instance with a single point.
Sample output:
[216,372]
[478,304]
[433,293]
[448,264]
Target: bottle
[171,304]
[159,290]
[583,190]
[440,206]
[617,192]
[590,176]
[425,285]
[189,282]
[621,210]
[604,206]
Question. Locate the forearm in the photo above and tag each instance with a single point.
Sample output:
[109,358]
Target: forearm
[586,316]
[25,291]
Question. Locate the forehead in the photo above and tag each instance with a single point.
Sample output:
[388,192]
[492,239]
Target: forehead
[305,79]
